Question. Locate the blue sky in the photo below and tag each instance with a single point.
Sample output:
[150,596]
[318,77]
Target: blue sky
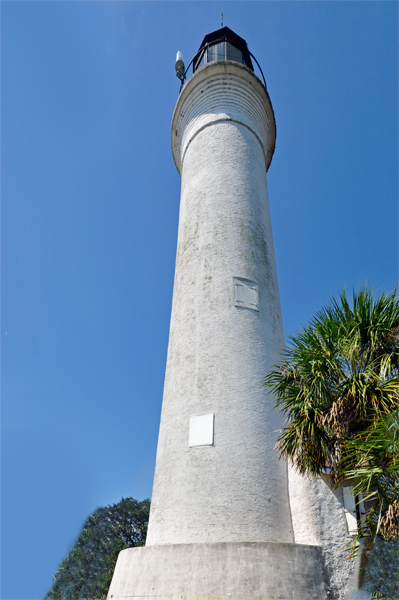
[90,199]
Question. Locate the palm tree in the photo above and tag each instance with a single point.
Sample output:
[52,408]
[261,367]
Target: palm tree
[371,459]
[339,376]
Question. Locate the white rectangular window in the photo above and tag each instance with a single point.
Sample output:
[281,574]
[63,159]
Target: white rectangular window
[201,430]
[350,510]
[246,293]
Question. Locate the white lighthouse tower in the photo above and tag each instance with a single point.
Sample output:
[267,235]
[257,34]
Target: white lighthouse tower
[217,477]
[220,520]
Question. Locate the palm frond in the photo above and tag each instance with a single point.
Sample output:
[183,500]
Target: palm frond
[336,386]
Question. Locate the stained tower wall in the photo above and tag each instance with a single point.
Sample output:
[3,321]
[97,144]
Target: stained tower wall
[220,349]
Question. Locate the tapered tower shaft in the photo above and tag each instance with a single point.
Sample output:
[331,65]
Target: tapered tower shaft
[217,477]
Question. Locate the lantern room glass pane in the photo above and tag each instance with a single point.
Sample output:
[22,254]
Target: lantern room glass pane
[217,52]
[201,62]
[234,53]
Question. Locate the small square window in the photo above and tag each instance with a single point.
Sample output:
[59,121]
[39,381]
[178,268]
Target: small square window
[246,293]
[201,430]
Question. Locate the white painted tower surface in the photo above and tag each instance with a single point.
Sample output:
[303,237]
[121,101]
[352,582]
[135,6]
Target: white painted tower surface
[226,326]
[220,520]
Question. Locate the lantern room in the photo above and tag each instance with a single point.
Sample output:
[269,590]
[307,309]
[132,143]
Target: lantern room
[222,44]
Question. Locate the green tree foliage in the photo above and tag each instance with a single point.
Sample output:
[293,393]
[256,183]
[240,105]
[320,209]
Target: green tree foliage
[338,385]
[86,572]
[371,459]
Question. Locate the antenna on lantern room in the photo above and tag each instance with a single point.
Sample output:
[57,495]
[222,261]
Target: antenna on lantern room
[221,19]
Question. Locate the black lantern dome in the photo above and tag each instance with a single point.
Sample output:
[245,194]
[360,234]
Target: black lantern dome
[222,44]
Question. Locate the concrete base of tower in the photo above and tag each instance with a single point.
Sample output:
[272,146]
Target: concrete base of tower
[267,571]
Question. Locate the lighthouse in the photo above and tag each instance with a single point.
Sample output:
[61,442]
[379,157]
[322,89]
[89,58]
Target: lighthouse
[220,521]
[217,477]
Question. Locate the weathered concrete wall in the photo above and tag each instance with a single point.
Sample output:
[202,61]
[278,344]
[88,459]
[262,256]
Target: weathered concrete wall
[263,571]
[318,518]
[236,489]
